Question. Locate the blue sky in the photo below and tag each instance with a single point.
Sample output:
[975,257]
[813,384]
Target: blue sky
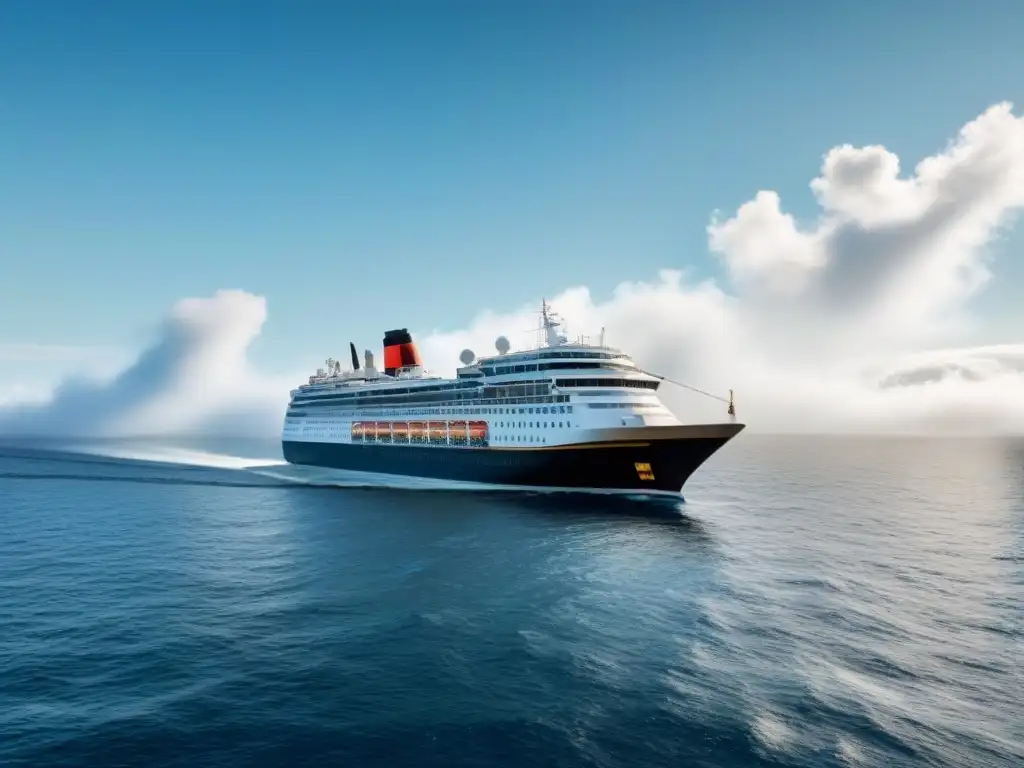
[373,165]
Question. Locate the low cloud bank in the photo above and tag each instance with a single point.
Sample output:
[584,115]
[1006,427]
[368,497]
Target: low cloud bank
[194,378]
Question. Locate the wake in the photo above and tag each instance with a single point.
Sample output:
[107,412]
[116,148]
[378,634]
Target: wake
[269,472]
[277,471]
[184,456]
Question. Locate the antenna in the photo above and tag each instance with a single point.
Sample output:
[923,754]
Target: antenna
[550,324]
[502,345]
[467,357]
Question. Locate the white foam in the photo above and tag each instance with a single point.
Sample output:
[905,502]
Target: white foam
[278,469]
[170,455]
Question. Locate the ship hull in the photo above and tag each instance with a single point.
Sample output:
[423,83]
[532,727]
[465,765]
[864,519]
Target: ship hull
[641,459]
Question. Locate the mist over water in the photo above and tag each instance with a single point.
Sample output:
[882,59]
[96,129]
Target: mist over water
[815,602]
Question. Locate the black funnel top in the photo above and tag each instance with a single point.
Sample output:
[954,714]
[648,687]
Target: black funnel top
[400,336]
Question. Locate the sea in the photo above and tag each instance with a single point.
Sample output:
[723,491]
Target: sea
[814,601]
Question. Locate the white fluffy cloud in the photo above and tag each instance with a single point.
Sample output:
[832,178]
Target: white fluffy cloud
[820,327]
[701,336]
[195,377]
[826,327]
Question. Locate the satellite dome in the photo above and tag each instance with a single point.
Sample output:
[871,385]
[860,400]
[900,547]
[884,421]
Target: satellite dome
[501,344]
[467,356]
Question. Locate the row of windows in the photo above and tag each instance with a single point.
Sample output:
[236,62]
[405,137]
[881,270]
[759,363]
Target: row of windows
[504,370]
[543,409]
[358,389]
[520,401]
[539,409]
[426,395]
[521,389]
[429,396]
[627,383]
[573,354]
[453,439]
[529,425]
[453,442]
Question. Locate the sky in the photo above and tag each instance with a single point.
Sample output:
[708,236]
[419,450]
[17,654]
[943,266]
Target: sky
[211,198]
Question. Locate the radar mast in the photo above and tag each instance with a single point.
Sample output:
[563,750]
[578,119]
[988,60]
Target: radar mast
[551,322]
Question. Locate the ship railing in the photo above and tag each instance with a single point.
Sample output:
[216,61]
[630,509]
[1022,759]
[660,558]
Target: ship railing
[511,401]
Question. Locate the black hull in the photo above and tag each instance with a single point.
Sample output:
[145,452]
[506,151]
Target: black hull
[653,459]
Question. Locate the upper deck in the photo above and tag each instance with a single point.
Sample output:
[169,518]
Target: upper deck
[561,358]
[549,364]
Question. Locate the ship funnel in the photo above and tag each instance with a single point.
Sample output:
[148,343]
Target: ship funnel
[369,360]
[399,351]
[355,357]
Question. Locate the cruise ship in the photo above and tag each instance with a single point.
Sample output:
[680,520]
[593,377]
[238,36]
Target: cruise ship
[564,415]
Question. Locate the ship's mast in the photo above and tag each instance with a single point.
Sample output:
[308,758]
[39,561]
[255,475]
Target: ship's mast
[550,324]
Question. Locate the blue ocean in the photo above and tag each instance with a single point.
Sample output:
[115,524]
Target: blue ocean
[814,602]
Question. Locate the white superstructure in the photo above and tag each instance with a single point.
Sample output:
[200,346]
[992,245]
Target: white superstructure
[555,394]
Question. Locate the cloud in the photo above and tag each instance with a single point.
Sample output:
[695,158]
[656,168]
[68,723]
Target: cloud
[697,334]
[815,326]
[195,377]
[846,324]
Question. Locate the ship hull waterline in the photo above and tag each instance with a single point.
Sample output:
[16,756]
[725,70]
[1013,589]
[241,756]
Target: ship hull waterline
[655,460]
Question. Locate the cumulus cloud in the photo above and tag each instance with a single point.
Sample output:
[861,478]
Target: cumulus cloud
[841,325]
[822,327]
[194,377]
[698,335]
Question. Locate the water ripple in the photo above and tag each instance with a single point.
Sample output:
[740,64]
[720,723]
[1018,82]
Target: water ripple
[816,603]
